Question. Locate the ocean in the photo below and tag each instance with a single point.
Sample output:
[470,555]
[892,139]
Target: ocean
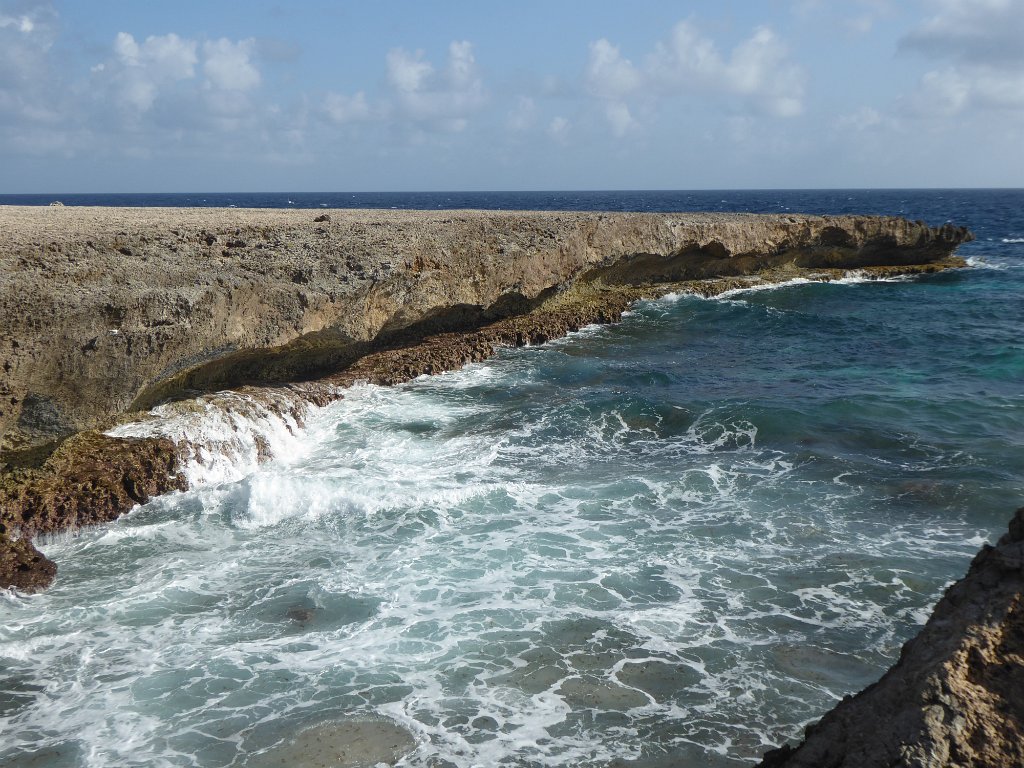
[671,541]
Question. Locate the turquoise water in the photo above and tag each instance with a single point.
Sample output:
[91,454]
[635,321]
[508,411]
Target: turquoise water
[675,540]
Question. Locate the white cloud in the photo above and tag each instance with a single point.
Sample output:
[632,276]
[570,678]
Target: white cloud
[139,71]
[462,73]
[140,75]
[407,72]
[347,109]
[983,43]
[609,75]
[760,68]
[613,79]
[558,129]
[863,119]
[25,41]
[445,99]
[619,118]
[23,24]
[161,56]
[757,75]
[228,66]
[522,116]
[686,58]
[985,32]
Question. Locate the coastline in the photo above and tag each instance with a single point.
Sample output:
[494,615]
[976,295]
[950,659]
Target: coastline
[123,457]
[95,476]
[170,304]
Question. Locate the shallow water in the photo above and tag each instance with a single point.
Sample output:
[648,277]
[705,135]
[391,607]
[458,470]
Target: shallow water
[685,535]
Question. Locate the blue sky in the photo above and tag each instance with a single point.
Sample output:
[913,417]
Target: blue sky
[119,96]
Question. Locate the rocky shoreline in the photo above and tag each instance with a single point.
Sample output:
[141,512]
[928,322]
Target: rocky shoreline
[111,311]
[95,477]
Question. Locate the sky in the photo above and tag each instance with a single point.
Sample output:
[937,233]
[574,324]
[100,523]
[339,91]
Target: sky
[404,95]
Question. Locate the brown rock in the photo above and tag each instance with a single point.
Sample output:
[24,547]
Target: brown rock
[24,567]
[90,478]
[107,310]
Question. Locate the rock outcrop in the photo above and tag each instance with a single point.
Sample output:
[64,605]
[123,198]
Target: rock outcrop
[110,310]
[956,695]
[91,478]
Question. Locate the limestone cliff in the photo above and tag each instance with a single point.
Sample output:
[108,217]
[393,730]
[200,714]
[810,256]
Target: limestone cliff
[109,310]
[956,696]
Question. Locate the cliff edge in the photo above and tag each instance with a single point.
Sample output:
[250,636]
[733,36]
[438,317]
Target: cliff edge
[108,310]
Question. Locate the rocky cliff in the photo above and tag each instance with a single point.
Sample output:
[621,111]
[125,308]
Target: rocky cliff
[956,696]
[109,310]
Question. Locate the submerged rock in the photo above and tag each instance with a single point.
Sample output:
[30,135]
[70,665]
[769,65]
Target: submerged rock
[343,744]
[956,695]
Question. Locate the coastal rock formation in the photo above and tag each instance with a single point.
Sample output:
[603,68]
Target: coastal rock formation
[956,695]
[112,310]
[91,478]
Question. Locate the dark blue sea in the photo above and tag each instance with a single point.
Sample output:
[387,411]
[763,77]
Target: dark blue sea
[675,540]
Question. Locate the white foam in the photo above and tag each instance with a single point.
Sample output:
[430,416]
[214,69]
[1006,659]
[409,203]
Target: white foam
[1013,240]
[980,262]
[851,277]
[225,437]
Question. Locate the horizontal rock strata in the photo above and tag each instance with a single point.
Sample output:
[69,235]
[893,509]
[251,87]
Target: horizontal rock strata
[110,311]
[956,696]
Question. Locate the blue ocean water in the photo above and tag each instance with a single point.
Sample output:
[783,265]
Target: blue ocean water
[672,541]
[1000,204]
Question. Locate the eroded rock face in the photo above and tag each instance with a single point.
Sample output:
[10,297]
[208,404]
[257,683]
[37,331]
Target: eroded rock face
[91,478]
[956,695]
[107,310]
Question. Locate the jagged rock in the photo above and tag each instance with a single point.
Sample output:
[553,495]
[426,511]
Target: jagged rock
[24,567]
[956,695]
[91,478]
